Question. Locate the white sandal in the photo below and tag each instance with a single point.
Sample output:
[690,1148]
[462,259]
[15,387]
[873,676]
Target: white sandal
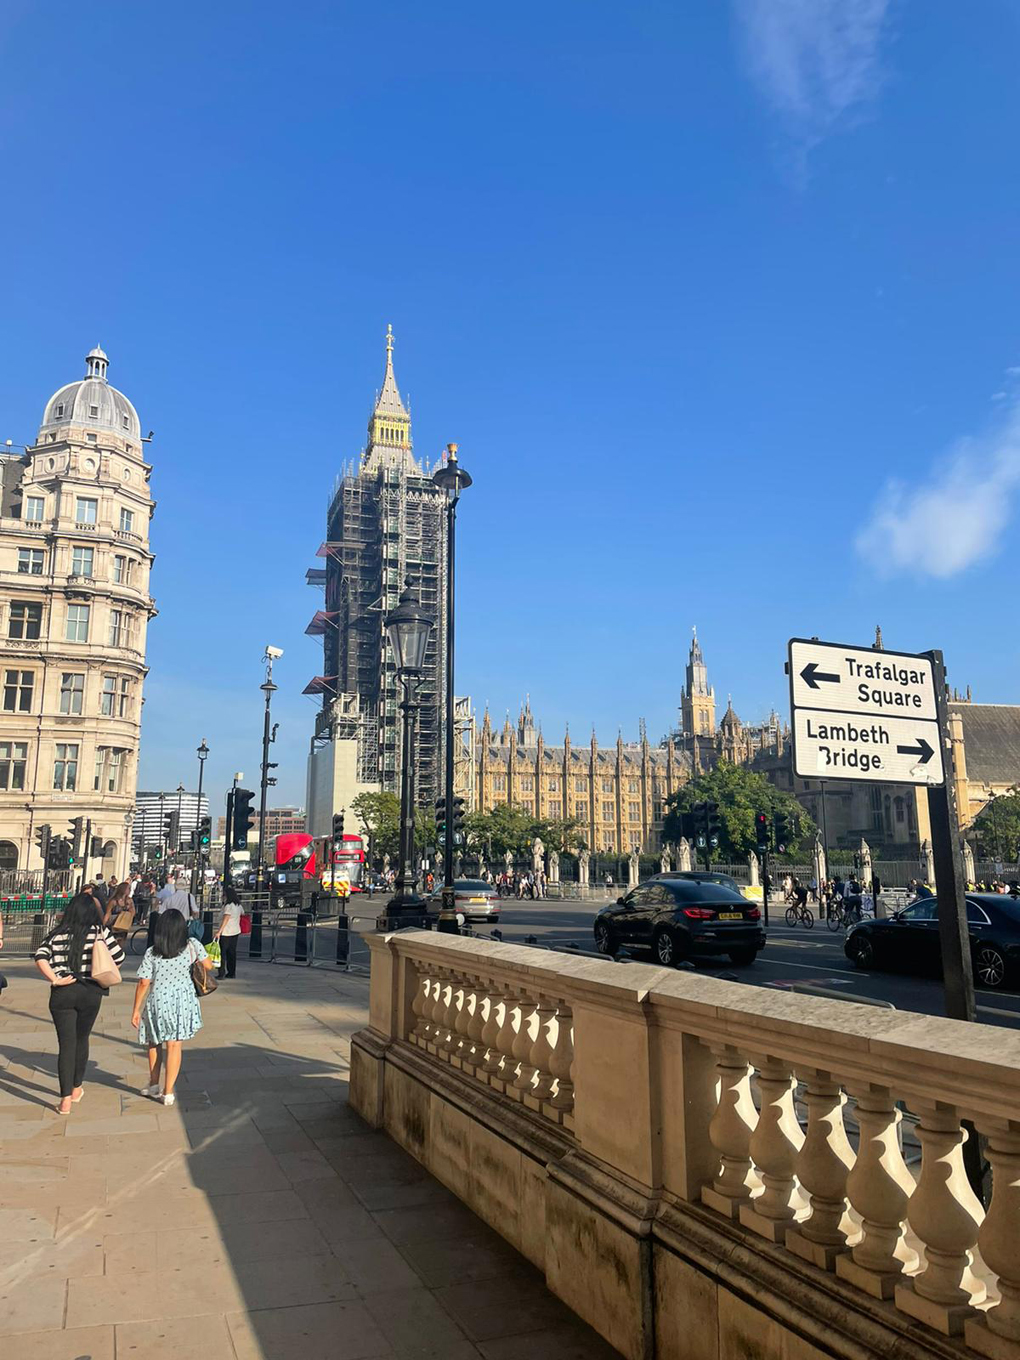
[169,1100]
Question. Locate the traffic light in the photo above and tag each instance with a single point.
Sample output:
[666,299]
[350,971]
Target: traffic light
[688,830]
[713,826]
[701,824]
[457,818]
[173,831]
[338,826]
[192,840]
[761,831]
[204,833]
[96,847]
[42,840]
[441,819]
[75,832]
[244,818]
[781,829]
[59,853]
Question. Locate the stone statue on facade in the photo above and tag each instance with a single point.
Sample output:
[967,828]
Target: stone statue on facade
[537,854]
[685,854]
[554,867]
[583,862]
[633,869]
[664,865]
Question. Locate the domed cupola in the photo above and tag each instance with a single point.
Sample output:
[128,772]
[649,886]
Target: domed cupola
[91,404]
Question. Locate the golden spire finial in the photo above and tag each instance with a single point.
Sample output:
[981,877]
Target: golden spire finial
[389,343]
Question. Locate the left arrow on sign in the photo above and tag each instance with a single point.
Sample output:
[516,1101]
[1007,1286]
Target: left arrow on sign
[811,675]
[922,750]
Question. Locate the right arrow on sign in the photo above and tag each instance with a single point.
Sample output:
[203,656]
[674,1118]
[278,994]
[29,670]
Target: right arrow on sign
[922,750]
[811,676]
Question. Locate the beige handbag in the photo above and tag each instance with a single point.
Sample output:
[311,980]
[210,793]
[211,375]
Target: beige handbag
[103,969]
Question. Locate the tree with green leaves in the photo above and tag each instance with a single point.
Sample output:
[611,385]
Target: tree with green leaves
[740,794]
[997,827]
[507,827]
[379,815]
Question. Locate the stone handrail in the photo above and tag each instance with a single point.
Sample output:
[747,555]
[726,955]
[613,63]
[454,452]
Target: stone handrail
[783,1115]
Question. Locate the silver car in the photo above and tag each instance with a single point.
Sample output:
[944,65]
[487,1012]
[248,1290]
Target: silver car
[475,900]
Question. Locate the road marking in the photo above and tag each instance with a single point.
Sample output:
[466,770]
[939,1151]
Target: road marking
[997,1010]
[777,963]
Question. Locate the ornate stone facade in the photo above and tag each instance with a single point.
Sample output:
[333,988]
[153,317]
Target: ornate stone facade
[74,609]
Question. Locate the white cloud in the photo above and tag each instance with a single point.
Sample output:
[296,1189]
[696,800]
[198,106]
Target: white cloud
[815,60]
[953,520]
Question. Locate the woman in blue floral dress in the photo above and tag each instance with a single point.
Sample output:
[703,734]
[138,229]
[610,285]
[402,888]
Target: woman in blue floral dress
[166,1010]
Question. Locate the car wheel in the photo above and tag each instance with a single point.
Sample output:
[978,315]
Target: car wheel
[604,941]
[665,948]
[861,952]
[990,966]
[743,957]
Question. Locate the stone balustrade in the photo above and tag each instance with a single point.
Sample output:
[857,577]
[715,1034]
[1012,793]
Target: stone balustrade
[667,1123]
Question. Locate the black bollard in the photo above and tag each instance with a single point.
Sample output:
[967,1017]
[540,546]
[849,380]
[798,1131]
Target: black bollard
[255,935]
[38,929]
[343,938]
[207,926]
[301,937]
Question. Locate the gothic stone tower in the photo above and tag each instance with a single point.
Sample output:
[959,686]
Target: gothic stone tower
[697,700]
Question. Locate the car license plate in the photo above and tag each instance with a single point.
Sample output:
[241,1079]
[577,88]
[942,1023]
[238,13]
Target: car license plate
[476,901]
[731,916]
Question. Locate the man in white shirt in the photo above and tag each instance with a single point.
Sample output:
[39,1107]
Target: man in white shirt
[179,899]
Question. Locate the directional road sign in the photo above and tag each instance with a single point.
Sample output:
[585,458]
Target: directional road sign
[859,713]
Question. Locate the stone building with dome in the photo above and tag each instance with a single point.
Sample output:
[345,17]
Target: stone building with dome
[75,508]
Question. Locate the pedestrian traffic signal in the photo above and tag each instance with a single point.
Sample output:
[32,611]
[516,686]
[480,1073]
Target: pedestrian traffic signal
[713,826]
[173,831]
[781,829]
[75,832]
[204,833]
[457,818]
[761,831]
[244,818]
[42,840]
[338,826]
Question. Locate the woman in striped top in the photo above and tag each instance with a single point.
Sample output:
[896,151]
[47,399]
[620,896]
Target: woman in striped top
[65,959]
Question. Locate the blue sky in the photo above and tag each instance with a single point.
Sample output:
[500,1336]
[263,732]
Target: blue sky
[719,300]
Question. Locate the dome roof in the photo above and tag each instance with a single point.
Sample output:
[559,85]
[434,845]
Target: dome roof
[91,402]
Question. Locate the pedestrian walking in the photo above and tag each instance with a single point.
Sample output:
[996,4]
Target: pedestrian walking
[166,1010]
[119,913]
[65,959]
[228,932]
[101,891]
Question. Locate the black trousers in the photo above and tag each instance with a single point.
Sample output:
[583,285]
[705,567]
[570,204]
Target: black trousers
[74,1009]
[228,956]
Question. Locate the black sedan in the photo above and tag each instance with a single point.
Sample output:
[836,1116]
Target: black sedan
[679,919]
[908,942]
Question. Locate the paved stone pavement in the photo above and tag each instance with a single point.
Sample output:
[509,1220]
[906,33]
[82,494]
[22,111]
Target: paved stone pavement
[259,1219]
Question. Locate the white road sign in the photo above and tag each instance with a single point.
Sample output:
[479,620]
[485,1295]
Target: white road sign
[864,714]
[832,745]
[861,680]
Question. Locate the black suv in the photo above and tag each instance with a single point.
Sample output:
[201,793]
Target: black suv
[681,918]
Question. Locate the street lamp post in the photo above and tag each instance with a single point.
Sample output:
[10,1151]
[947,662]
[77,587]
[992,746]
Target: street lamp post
[453,480]
[180,805]
[268,735]
[408,630]
[203,756]
[162,830]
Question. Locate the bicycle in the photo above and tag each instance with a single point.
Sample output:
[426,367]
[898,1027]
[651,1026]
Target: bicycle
[842,916]
[138,939]
[800,914]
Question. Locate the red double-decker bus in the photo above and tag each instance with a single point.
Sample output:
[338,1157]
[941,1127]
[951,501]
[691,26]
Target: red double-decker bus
[305,863]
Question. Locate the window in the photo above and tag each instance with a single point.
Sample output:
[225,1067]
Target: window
[580,786]
[24,620]
[86,509]
[900,813]
[72,692]
[555,808]
[65,766]
[554,785]
[120,569]
[499,783]
[35,507]
[927,910]
[635,812]
[92,439]
[125,697]
[607,786]
[976,915]
[81,560]
[18,687]
[30,561]
[13,758]
[632,786]
[581,811]
[77,623]
[608,812]
[107,697]
[108,768]
[527,784]
[127,520]
[60,409]
[93,411]
[120,628]
[125,422]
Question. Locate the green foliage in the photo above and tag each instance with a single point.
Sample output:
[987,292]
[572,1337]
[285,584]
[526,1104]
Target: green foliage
[506,827]
[997,827]
[740,793]
[379,815]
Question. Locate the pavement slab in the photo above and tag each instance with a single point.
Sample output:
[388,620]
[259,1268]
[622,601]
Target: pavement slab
[258,1219]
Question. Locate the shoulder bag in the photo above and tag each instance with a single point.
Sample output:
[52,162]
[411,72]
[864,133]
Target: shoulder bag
[102,968]
[201,976]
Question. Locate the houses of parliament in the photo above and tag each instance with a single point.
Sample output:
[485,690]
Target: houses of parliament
[616,793]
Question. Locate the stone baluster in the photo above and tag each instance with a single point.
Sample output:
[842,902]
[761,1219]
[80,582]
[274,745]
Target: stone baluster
[946,1215]
[444,1038]
[822,1168]
[460,1048]
[998,1242]
[775,1148]
[541,1053]
[522,1046]
[474,1048]
[729,1131]
[433,1009]
[490,1030]
[508,1067]
[561,1062]
[422,997]
[878,1187]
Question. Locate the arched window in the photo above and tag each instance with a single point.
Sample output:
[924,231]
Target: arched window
[8,855]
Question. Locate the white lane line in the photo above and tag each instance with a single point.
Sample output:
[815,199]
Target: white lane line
[812,967]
